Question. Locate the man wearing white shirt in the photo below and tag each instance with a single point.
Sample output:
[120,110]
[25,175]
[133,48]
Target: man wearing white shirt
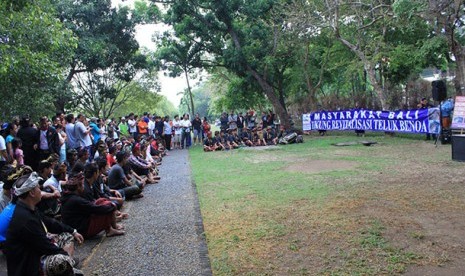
[186,132]
[167,133]
[132,125]
[177,132]
[70,133]
[151,125]
[82,134]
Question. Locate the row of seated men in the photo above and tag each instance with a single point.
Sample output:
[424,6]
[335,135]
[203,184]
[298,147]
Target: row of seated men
[45,212]
[232,139]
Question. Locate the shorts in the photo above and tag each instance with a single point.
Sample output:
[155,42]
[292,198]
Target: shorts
[177,138]
[197,134]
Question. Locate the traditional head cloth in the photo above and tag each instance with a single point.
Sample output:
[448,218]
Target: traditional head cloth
[31,182]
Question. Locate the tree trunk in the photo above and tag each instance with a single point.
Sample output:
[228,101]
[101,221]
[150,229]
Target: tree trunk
[190,92]
[267,89]
[369,68]
[459,81]
[271,95]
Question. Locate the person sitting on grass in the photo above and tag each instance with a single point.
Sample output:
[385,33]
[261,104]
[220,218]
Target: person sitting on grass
[209,143]
[88,217]
[233,139]
[30,249]
[261,138]
[246,137]
[255,139]
[217,139]
[224,140]
[270,137]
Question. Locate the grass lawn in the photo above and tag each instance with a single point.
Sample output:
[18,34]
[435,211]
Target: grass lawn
[314,208]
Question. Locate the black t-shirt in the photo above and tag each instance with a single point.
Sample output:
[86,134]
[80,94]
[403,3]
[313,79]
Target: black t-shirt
[209,142]
[224,122]
[264,121]
[159,127]
[197,124]
[116,177]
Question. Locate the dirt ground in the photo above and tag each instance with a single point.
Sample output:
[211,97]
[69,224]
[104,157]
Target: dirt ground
[407,217]
[419,201]
[318,166]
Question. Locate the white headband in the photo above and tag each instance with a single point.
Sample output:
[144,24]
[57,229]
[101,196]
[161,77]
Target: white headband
[29,184]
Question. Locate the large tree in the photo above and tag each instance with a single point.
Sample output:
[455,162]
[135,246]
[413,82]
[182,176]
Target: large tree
[180,57]
[106,38]
[242,36]
[34,50]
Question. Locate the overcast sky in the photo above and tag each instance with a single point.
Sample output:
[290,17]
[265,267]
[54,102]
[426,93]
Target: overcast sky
[169,86]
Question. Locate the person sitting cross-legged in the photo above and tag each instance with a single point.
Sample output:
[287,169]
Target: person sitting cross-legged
[89,217]
[118,180]
[209,143]
[29,247]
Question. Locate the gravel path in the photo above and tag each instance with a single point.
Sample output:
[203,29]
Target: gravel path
[164,233]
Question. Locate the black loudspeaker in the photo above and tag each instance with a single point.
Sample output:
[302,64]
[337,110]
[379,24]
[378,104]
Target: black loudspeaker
[439,90]
[458,147]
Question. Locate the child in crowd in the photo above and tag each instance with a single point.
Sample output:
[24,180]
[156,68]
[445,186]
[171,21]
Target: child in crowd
[17,151]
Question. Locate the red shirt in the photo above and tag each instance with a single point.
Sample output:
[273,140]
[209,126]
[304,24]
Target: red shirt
[110,160]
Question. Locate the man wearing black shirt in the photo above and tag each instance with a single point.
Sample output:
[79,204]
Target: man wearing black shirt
[197,126]
[240,124]
[28,136]
[224,121]
[28,249]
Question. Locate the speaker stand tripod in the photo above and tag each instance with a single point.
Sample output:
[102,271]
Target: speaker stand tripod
[440,126]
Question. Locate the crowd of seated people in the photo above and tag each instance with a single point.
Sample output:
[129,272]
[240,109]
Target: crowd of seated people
[230,139]
[64,181]
[237,130]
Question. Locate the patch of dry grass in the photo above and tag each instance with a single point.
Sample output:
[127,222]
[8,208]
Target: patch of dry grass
[401,205]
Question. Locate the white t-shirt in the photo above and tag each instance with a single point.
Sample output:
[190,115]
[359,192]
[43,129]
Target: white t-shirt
[52,181]
[151,125]
[82,138]
[2,147]
[132,126]
[167,128]
[177,127]
[186,124]
[69,129]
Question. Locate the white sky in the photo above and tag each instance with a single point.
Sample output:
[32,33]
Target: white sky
[169,86]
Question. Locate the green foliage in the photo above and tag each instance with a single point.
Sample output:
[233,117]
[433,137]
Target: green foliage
[106,38]
[145,13]
[241,94]
[34,49]
[143,100]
